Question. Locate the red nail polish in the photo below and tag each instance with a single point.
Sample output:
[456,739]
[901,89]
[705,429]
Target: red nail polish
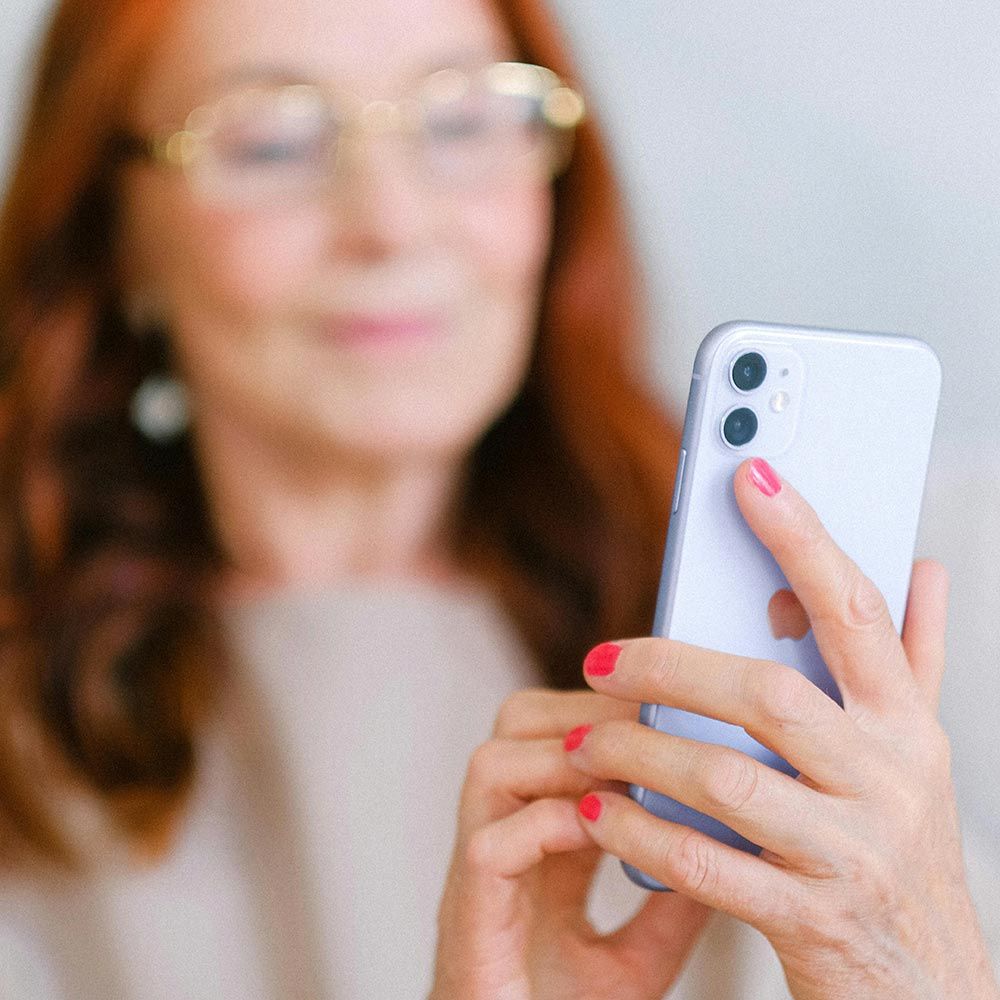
[764,477]
[575,737]
[590,807]
[601,659]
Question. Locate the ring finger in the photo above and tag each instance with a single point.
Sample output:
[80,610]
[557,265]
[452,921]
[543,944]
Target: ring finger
[767,807]
[505,774]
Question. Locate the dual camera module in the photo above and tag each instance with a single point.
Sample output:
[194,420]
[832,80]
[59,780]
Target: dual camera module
[747,373]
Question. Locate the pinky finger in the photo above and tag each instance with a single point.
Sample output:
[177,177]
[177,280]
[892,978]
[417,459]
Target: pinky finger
[924,627]
[511,846]
[694,864]
[481,921]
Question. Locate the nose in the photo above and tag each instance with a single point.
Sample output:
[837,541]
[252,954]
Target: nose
[380,205]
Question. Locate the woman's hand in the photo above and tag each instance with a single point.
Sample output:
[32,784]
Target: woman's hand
[512,923]
[860,887]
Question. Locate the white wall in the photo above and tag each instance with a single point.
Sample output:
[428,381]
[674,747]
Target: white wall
[834,163]
[19,30]
[818,162]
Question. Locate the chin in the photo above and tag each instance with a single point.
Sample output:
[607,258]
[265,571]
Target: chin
[415,435]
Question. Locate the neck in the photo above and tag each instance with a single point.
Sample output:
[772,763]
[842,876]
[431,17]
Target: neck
[282,521]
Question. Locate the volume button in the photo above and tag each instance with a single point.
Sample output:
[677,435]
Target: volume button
[678,481]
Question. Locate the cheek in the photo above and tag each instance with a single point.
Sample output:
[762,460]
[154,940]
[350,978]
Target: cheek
[504,245]
[214,264]
[508,238]
[254,266]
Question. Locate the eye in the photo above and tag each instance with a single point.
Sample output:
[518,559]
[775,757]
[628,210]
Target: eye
[459,120]
[272,151]
[479,116]
[272,134]
[458,125]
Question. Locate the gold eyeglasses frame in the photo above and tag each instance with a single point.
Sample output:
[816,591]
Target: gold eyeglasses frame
[561,107]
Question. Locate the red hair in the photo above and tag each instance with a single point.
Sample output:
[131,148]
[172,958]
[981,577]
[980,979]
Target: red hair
[109,655]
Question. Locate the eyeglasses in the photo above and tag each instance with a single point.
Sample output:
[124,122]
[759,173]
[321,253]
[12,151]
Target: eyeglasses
[279,143]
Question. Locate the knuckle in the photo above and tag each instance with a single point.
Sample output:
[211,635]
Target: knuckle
[692,864]
[910,810]
[484,765]
[914,796]
[864,606]
[728,780]
[803,531]
[478,854]
[819,923]
[806,913]
[876,885]
[605,742]
[855,865]
[863,881]
[666,664]
[516,711]
[795,917]
[780,696]
[937,747]
[858,885]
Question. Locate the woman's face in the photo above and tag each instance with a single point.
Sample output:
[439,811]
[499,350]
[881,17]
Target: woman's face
[380,318]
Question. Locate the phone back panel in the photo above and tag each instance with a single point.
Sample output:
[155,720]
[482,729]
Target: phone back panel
[848,419]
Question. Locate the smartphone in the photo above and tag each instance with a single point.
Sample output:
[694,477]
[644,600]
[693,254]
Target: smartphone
[848,419]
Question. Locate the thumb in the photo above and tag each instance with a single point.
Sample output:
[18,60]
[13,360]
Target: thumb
[661,935]
[924,627]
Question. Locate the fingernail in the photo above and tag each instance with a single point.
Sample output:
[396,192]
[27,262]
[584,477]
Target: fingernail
[601,659]
[764,477]
[590,807]
[575,737]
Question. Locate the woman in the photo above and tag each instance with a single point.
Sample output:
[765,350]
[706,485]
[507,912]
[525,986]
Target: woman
[379,447]
[257,650]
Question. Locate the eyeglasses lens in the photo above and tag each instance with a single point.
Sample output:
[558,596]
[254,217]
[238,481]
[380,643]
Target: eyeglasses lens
[282,143]
[267,144]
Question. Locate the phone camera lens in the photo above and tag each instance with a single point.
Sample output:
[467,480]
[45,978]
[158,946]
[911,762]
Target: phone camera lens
[739,427]
[748,371]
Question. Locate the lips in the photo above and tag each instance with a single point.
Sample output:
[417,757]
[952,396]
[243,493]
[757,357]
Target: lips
[382,329]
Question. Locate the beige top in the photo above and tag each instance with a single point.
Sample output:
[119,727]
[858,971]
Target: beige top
[312,859]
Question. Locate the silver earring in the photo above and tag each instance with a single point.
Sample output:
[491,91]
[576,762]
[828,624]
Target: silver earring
[160,409]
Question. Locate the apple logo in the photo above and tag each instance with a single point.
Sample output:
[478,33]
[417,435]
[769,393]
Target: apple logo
[787,616]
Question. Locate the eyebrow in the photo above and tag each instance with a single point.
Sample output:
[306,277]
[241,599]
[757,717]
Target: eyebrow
[468,57]
[257,73]
[278,74]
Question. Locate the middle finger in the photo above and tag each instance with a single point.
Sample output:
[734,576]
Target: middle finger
[534,713]
[775,704]
[503,775]
[761,804]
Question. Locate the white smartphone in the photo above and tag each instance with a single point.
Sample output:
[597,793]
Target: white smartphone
[848,419]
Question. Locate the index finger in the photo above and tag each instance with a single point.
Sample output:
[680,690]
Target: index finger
[538,713]
[847,612]
[773,703]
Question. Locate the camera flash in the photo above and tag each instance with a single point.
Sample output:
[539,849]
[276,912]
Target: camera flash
[779,401]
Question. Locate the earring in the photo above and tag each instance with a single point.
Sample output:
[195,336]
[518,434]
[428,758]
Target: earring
[160,410]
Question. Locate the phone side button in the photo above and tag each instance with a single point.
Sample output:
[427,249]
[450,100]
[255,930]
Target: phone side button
[678,481]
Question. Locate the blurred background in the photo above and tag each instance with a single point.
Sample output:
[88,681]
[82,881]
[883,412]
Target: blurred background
[822,163]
